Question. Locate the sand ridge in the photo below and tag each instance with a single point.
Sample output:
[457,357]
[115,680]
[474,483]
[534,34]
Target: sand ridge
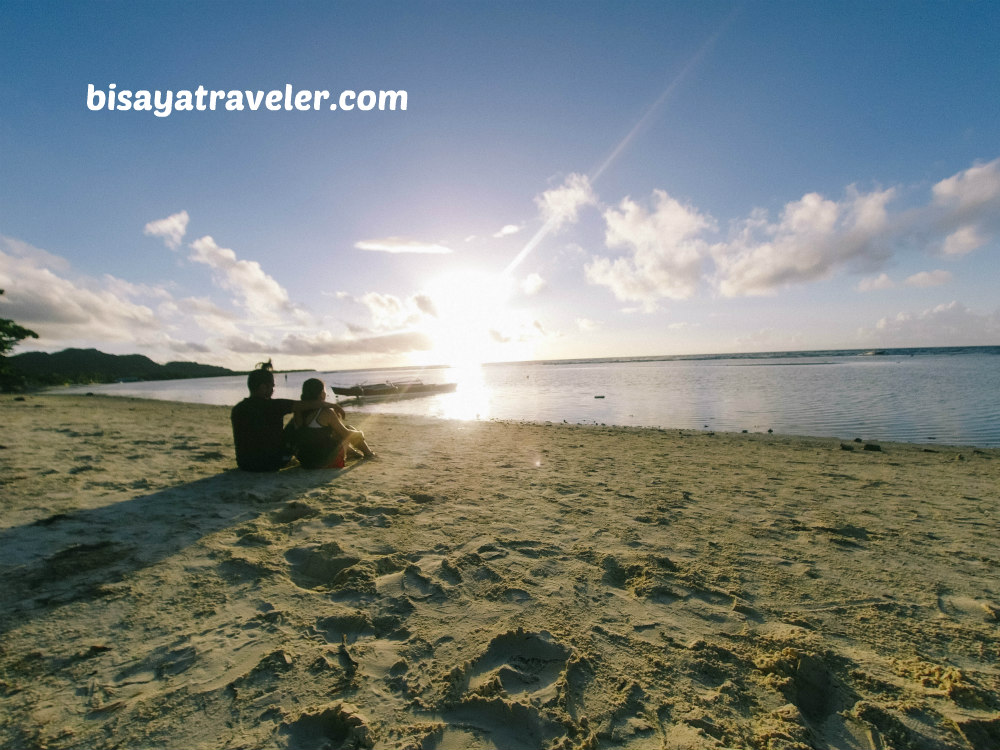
[490,585]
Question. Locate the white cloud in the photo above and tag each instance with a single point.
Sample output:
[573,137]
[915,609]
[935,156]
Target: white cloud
[118,315]
[951,324]
[357,330]
[205,314]
[872,283]
[525,330]
[401,245]
[532,284]
[387,310]
[252,288]
[122,288]
[561,205]
[108,312]
[928,278]
[66,309]
[813,238]
[247,343]
[171,229]
[665,252]
[425,305]
[187,347]
[323,343]
[971,191]
[966,208]
[963,241]
[33,256]
[586,324]
[768,339]
[391,313]
[507,230]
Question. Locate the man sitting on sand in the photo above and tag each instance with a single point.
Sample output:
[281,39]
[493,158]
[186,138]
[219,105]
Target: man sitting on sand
[258,423]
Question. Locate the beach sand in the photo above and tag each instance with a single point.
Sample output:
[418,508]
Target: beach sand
[490,585]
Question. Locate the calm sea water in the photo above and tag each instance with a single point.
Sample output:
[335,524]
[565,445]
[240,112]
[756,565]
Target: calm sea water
[947,396]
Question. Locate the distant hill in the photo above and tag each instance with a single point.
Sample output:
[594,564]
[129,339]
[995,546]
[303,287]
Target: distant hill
[92,366]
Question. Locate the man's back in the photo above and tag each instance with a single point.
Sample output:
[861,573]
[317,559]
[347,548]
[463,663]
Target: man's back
[257,425]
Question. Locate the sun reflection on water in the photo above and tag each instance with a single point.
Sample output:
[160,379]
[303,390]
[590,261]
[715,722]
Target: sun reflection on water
[471,400]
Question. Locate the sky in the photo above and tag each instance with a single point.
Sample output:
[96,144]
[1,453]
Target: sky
[567,180]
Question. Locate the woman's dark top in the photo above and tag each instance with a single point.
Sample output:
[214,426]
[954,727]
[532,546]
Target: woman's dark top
[315,447]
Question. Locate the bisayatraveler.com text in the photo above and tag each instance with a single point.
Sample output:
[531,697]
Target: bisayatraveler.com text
[201,99]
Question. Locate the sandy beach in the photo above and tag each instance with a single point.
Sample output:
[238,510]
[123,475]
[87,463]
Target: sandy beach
[490,585]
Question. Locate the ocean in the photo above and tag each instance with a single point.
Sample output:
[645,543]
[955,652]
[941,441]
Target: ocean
[944,395]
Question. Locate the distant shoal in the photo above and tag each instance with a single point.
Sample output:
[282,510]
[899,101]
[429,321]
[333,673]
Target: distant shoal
[490,585]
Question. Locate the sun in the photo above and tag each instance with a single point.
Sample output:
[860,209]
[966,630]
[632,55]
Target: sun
[471,317]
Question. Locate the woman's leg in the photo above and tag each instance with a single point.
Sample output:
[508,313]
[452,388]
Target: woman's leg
[356,440]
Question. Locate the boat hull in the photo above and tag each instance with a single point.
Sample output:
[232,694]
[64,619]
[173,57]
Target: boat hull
[381,390]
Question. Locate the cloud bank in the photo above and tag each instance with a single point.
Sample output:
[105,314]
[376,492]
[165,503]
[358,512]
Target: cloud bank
[43,294]
[670,250]
[952,322]
[69,309]
[652,250]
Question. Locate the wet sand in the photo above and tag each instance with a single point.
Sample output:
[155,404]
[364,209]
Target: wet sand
[490,585]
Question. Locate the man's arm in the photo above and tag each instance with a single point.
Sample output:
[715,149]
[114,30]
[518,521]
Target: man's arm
[290,406]
[300,406]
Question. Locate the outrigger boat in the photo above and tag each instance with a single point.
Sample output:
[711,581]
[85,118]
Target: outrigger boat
[412,386]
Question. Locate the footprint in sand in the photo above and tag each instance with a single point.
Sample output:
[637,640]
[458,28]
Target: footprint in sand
[502,699]
[293,511]
[338,725]
[410,583]
[319,566]
[530,548]
[847,535]
[494,724]
[809,684]
[520,665]
[964,607]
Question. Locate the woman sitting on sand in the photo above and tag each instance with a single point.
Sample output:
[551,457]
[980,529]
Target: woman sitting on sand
[322,440]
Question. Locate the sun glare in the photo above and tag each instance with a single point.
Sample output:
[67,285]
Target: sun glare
[472,317]
[472,399]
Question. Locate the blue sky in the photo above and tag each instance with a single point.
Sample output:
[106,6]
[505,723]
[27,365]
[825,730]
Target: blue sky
[577,179]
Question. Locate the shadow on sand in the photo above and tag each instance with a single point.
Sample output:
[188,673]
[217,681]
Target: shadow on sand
[79,555]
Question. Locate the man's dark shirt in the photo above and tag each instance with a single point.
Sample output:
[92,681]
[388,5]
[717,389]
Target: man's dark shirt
[257,426]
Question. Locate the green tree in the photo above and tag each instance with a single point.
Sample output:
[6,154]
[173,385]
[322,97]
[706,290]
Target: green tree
[10,335]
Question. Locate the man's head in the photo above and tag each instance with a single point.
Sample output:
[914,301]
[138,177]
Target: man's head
[261,381]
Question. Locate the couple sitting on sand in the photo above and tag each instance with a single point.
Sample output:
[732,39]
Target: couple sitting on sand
[316,435]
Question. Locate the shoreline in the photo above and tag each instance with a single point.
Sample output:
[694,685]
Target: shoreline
[490,584]
[929,443]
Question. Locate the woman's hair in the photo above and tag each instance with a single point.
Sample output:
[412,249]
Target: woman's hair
[312,389]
